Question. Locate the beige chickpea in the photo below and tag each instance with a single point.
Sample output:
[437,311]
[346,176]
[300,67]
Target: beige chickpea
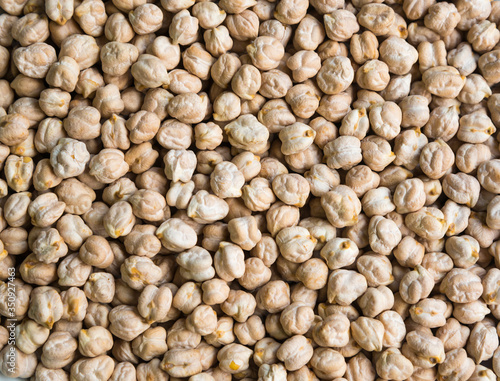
[295,352]
[89,80]
[176,235]
[197,60]
[118,28]
[376,268]
[332,331]
[309,34]
[345,286]
[149,71]
[13,129]
[37,272]
[393,365]
[398,55]
[23,365]
[91,16]
[295,243]
[336,75]
[196,103]
[475,128]
[355,123]
[458,280]
[483,36]
[377,18]
[126,323]
[83,123]
[432,166]
[397,89]
[422,348]
[82,48]
[463,59]
[229,261]
[334,107]
[207,135]
[59,11]
[97,367]
[246,81]
[19,172]
[174,362]
[304,64]
[196,264]
[321,179]
[94,341]
[46,306]
[377,152]
[296,138]
[45,210]
[486,174]
[34,60]
[209,15]
[483,341]
[443,81]
[54,102]
[384,235]
[475,89]
[206,208]
[227,107]
[64,74]
[415,111]
[108,101]
[340,25]
[59,350]
[146,18]
[77,196]
[343,153]
[223,70]
[149,306]
[443,123]
[373,75]
[226,180]
[150,344]
[275,115]
[15,209]
[239,305]
[377,202]
[368,333]
[442,18]
[118,57]
[456,363]
[100,287]
[275,84]
[362,179]
[30,336]
[429,313]
[108,166]
[342,206]
[292,189]
[266,52]
[385,120]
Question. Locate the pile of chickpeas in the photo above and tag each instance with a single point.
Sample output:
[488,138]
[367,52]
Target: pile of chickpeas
[271,190]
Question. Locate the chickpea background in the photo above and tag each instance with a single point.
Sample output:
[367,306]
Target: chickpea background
[271,190]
